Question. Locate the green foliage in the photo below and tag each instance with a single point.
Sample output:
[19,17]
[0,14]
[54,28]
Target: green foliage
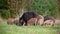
[44,7]
[3,4]
[4,9]
[13,14]
[5,13]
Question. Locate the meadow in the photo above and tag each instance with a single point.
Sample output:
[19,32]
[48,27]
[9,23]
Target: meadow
[13,29]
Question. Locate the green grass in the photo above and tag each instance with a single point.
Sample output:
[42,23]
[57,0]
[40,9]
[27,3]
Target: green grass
[13,29]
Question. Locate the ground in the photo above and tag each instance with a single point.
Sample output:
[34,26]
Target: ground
[13,29]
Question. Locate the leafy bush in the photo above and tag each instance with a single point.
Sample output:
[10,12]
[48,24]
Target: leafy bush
[3,4]
[5,13]
[44,7]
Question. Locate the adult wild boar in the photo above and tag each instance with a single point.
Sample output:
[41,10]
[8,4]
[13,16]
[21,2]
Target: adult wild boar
[26,16]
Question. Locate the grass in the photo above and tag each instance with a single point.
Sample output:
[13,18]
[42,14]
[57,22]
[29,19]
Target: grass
[13,29]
